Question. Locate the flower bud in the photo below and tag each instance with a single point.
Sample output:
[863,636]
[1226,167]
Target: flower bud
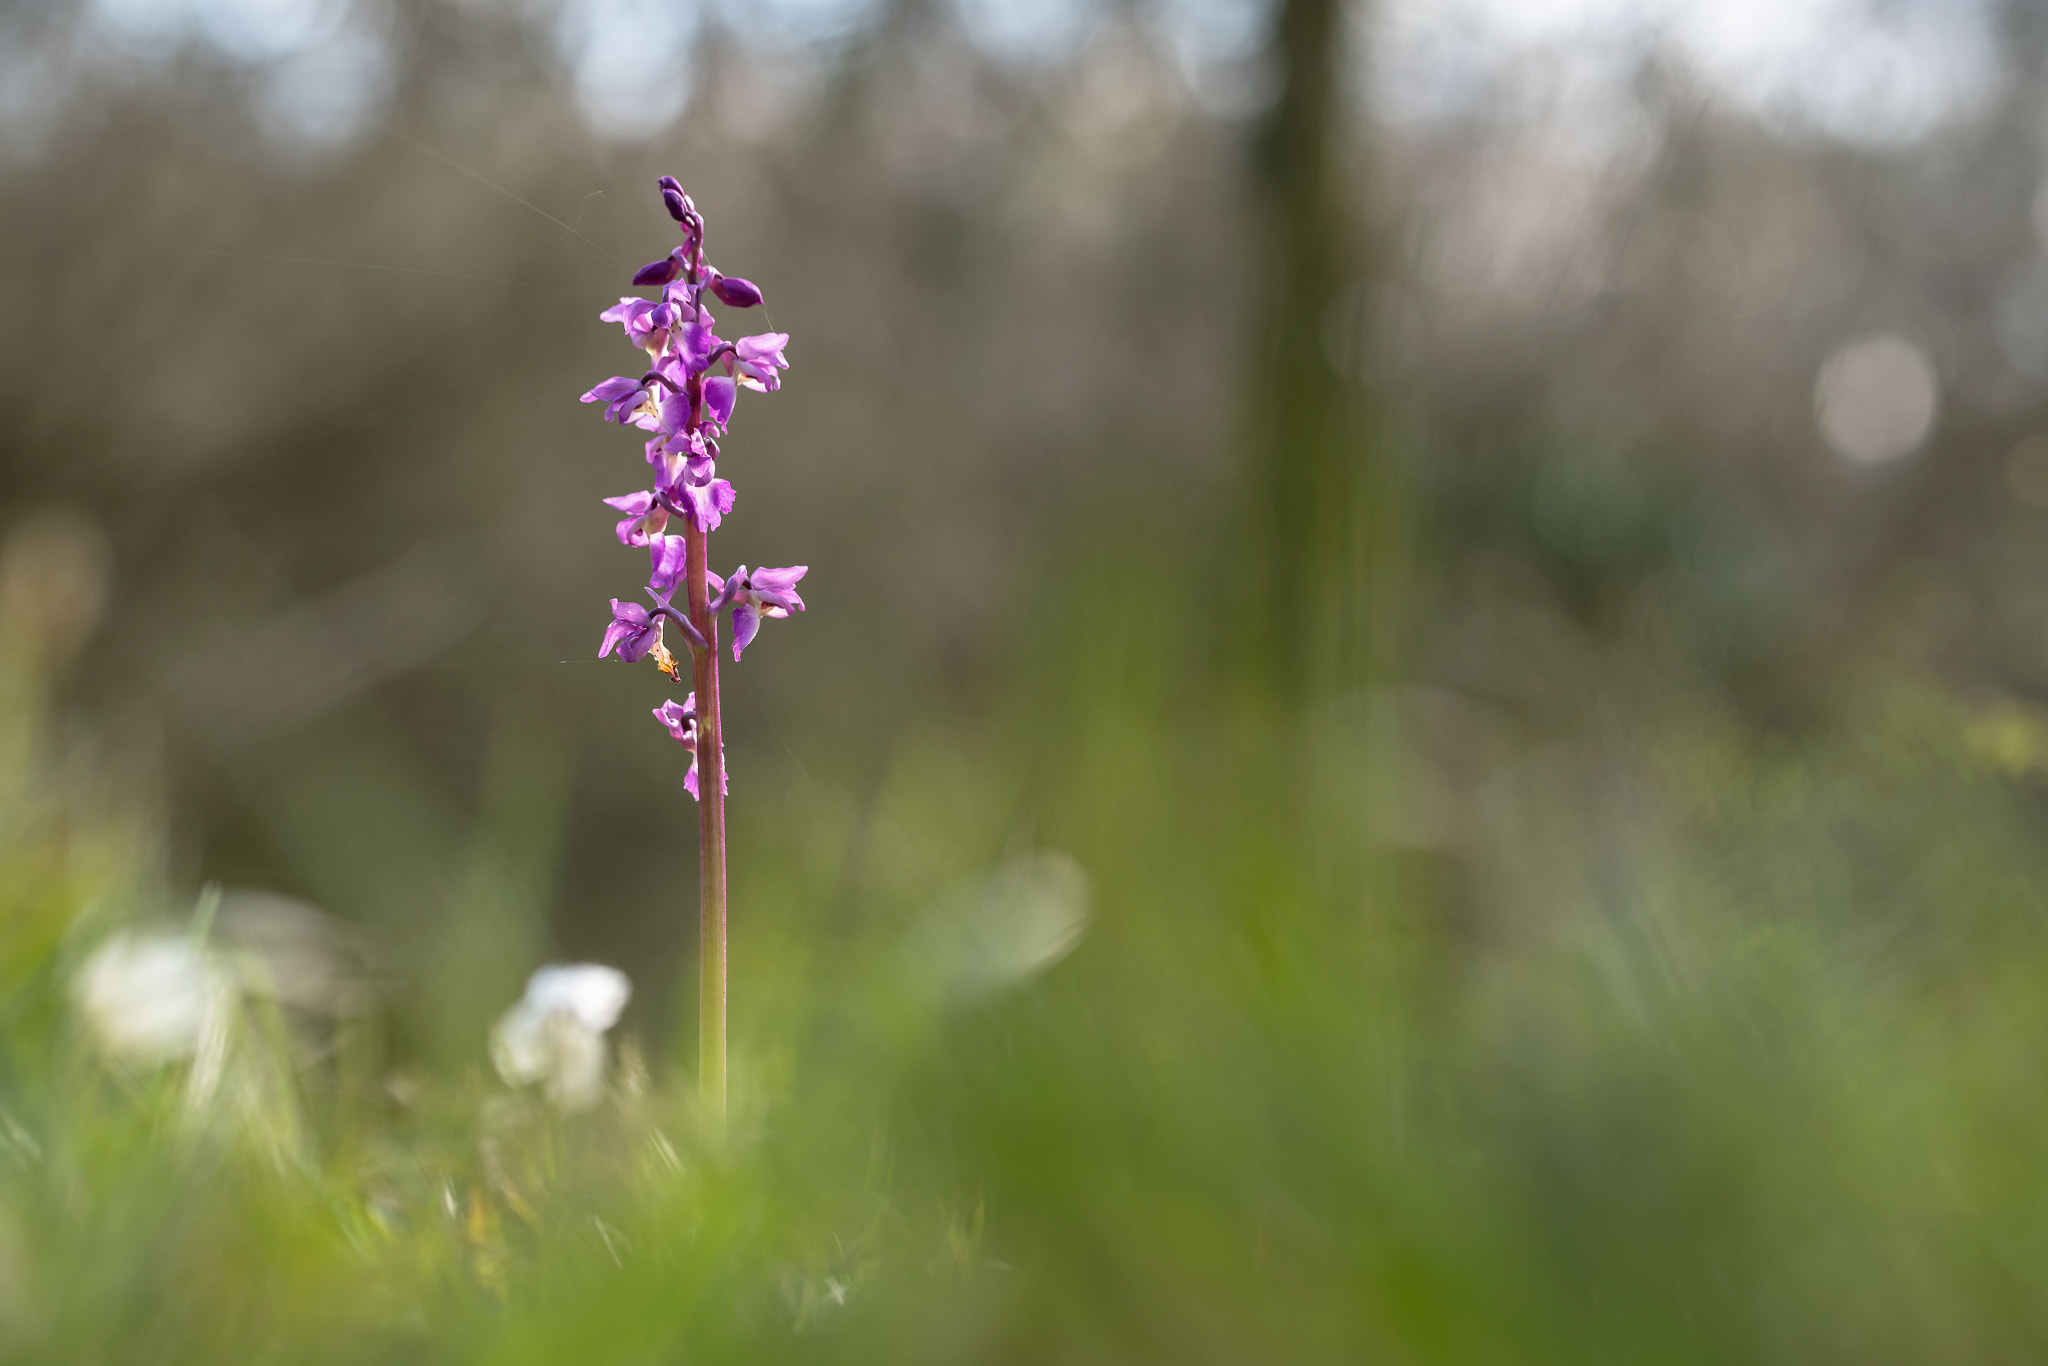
[674,203]
[735,291]
[656,272]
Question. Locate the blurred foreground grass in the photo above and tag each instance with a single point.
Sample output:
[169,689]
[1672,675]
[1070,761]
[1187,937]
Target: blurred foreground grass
[1393,1037]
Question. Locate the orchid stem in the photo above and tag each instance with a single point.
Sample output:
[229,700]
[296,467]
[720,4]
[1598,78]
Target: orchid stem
[710,840]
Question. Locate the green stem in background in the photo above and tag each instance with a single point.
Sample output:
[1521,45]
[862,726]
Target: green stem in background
[710,839]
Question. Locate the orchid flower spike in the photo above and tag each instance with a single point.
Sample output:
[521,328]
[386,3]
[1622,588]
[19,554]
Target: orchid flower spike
[684,402]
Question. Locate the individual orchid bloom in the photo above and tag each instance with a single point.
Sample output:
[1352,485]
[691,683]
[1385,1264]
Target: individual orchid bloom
[645,517]
[681,722]
[621,396]
[635,631]
[647,323]
[689,445]
[682,485]
[758,358]
[763,593]
[690,486]
[656,402]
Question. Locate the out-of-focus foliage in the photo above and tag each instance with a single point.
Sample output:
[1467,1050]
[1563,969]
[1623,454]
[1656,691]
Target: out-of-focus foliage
[1639,958]
[1673,1044]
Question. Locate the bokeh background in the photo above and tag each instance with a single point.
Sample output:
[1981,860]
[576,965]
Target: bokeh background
[1420,735]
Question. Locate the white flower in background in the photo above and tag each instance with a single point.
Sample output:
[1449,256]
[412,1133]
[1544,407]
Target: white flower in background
[555,1033]
[154,997]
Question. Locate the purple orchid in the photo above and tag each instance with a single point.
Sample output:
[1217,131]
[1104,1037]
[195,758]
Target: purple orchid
[763,593]
[647,323]
[635,631]
[758,358]
[683,484]
[684,401]
[681,721]
[645,517]
[621,396]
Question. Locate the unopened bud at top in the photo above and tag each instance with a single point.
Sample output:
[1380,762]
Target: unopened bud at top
[735,291]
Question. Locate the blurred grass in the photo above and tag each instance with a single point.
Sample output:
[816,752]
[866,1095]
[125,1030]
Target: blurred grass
[1673,1042]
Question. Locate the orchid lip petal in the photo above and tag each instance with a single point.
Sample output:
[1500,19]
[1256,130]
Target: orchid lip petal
[746,621]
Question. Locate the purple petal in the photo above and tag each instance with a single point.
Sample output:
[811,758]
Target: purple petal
[690,778]
[782,580]
[631,502]
[628,307]
[680,719]
[668,182]
[611,390]
[644,517]
[765,346]
[668,475]
[708,503]
[670,556]
[746,620]
[719,395]
[672,200]
[674,410]
[694,344]
[629,621]
[634,647]
[613,634]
